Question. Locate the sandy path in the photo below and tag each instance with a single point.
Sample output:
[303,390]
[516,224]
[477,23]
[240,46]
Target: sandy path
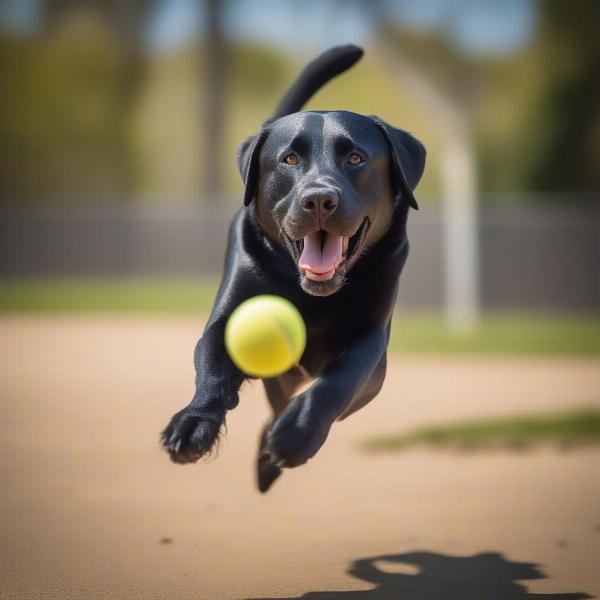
[87,495]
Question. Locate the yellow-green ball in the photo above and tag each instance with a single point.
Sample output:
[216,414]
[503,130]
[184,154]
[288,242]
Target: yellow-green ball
[265,336]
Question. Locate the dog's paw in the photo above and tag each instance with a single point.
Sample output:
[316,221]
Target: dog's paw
[294,437]
[191,434]
[266,471]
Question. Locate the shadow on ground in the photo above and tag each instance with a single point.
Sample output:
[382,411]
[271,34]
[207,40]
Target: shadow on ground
[430,576]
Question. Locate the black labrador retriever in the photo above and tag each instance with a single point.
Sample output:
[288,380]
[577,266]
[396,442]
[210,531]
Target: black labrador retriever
[323,225]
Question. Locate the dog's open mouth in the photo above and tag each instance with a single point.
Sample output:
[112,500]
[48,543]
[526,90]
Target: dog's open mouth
[320,254]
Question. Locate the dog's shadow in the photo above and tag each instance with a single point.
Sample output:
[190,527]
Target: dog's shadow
[431,576]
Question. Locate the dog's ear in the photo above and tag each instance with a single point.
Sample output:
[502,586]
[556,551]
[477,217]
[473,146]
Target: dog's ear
[407,160]
[247,160]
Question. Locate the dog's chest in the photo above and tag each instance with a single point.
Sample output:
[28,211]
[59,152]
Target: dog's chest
[326,339]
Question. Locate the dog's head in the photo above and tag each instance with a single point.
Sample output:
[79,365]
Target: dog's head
[326,185]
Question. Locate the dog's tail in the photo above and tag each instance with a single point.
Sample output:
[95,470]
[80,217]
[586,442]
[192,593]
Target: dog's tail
[315,75]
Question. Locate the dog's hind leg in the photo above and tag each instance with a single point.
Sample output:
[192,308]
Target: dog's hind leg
[279,392]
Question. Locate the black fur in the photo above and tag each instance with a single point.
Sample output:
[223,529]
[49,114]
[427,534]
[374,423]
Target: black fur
[347,316]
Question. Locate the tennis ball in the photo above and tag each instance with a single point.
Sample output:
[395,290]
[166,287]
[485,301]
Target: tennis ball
[265,336]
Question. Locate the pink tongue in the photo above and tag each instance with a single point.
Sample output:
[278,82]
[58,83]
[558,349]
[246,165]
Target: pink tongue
[321,262]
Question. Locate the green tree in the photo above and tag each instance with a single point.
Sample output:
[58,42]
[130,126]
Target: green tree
[567,114]
[68,93]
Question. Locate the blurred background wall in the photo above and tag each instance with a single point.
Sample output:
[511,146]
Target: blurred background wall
[119,121]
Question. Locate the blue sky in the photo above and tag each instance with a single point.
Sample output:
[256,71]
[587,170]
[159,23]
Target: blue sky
[483,26]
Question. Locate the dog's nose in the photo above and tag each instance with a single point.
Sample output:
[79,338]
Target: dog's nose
[320,201]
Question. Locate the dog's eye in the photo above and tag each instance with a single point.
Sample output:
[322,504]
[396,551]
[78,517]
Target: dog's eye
[355,159]
[291,159]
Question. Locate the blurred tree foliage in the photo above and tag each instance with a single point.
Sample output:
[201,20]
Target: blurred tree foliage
[86,112]
[540,126]
[566,117]
[535,114]
[66,100]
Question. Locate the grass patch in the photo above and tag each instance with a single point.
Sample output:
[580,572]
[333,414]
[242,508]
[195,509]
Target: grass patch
[499,333]
[566,429]
[411,332]
[107,295]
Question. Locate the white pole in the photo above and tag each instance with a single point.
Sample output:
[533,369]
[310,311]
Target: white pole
[460,230]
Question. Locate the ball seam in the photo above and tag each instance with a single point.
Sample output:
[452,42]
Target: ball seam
[285,332]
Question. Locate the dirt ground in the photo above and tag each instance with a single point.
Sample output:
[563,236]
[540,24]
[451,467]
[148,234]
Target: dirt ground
[90,507]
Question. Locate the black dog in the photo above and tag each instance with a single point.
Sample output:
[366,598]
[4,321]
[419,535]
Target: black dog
[323,225]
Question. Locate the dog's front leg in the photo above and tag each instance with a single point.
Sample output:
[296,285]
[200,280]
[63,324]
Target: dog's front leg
[193,431]
[303,427]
